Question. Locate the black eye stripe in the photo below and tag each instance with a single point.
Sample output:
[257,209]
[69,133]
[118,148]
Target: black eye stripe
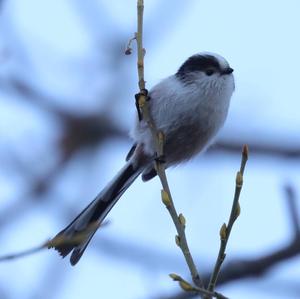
[198,63]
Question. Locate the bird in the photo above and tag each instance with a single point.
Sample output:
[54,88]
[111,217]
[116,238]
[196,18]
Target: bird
[188,107]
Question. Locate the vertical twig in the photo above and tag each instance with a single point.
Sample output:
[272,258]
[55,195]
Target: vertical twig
[226,229]
[140,48]
[158,138]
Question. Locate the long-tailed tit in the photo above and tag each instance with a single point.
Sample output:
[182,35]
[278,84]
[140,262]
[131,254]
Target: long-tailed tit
[189,108]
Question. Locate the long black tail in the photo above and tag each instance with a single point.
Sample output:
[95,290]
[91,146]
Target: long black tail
[77,235]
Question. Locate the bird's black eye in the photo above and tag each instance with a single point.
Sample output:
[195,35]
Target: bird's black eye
[209,72]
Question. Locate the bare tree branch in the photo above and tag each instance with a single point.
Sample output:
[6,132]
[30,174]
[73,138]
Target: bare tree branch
[239,269]
[158,138]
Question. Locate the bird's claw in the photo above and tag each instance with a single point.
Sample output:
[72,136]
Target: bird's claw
[161,159]
[144,93]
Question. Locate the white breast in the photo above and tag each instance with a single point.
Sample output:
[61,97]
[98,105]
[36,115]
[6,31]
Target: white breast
[188,114]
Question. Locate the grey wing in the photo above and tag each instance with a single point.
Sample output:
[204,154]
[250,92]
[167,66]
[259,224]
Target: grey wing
[148,174]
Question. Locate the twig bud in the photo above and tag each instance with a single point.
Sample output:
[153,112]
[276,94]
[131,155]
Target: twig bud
[223,232]
[165,198]
[239,179]
[175,277]
[182,220]
[186,286]
[237,211]
[177,240]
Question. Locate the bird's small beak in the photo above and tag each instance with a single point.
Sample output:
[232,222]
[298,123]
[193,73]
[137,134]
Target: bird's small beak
[227,71]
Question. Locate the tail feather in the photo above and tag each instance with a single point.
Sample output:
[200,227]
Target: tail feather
[77,235]
[63,250]
[79,250]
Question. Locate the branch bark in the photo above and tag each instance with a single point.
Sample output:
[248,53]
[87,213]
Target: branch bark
[226,229]
[158,138]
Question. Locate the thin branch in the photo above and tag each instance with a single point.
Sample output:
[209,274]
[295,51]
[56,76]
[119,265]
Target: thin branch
[158,138]
[56,241]
[179,222]
[24,253]
[139,40]
[226,229]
